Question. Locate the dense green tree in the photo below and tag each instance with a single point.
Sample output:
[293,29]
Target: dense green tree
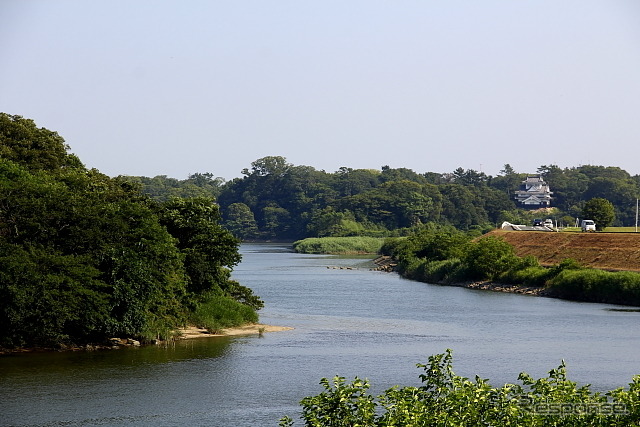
[329,223]
[48,298]
[32,147]
[494,202]
[489,257]
[104,230]
[281,196]
[241,221]
[434,178]
[593,171]
[622,194]
[469,177]
[209,250]
[162,187]
[276,221]
[508,181]
[349,182]
[270,165]
[401,174]
[599,210]
[395,204]
[206,181]
[567,185]
[84,256]
[462,206]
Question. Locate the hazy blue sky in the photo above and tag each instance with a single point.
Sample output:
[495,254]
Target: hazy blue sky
[176,87]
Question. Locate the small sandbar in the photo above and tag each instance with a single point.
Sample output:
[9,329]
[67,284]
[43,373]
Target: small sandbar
[253,329]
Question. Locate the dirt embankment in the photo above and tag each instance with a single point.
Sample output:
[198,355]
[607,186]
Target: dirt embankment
[607,251]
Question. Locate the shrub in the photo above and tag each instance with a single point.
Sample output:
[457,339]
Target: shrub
[391,245]
[488,257]
[216,312]
[528,276]
[598,286]
[444,271]
[446,399]
[436,242]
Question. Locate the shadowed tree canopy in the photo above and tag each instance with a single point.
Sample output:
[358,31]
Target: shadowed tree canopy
[84,256]
[32,147]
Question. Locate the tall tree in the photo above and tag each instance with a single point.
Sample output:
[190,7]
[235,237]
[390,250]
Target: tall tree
[34,148]
[241,221]
[599,210]
[210,251]
[270,165]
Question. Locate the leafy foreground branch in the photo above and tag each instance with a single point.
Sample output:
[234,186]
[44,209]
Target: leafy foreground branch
[446,399]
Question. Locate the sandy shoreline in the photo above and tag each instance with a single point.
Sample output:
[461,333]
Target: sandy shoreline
[190,332]
[254,329]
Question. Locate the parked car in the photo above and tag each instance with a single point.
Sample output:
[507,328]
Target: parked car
[537,222]
[588,225]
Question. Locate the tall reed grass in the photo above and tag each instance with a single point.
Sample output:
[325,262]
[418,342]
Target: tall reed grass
[216,312]
[339,245]
[622,287]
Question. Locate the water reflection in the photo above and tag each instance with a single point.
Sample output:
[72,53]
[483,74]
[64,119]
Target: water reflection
[82,363]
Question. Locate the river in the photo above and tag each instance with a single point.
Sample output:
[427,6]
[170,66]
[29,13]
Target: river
[348,321]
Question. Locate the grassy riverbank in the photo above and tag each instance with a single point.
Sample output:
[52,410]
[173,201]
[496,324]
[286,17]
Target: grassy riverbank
[339,245]
[508,262]
[448,256]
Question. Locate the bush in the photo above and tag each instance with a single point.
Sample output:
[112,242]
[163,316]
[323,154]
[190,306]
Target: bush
[216,312]
[436,242]
[445,271]
[391,245]
[529,276]
[446,399]
[488,257]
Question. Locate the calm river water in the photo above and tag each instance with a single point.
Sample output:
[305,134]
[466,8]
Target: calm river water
[348,322]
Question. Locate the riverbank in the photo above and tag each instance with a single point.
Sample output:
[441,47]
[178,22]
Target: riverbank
[599,293]
[503,287]
[388,264]
[188,332]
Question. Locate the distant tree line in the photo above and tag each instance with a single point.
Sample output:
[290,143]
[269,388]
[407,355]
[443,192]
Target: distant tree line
[84,256]
[277,200]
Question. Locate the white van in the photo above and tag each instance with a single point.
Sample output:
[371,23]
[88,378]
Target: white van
[588,225]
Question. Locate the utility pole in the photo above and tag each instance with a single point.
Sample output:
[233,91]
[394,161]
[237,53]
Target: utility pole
[636,215]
